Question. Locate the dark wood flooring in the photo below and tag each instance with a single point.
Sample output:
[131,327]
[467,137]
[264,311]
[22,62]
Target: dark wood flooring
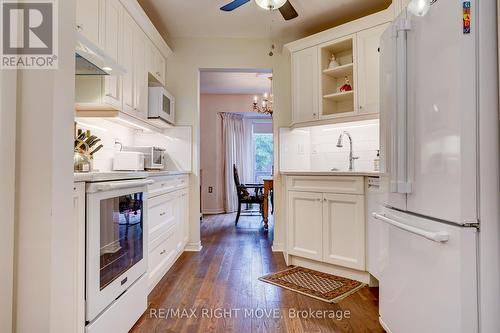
[224,277]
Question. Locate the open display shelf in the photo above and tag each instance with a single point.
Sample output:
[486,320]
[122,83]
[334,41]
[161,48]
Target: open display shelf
[335,102]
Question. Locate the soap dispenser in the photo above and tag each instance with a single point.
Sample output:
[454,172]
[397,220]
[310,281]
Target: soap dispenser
[376,162]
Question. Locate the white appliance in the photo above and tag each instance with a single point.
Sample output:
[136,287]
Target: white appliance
[431,106]
[154,157]
[92,60]
[161,106]
[128,161]
[377,242]
[115,249]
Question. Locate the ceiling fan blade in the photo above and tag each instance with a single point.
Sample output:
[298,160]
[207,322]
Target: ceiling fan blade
[288,11]
[233,5]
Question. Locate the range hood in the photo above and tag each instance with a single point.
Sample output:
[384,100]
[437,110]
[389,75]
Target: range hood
[91,60]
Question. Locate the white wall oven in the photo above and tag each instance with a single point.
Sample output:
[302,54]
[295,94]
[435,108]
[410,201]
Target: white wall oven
[115,240]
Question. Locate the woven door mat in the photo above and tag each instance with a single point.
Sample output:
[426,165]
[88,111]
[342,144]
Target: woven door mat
[325,287]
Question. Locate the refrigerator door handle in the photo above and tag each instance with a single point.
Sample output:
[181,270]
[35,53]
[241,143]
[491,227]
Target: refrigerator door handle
[439,237]
[403,185]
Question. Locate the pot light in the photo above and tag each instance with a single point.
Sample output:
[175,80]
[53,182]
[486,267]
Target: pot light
[419,7]
[270,4]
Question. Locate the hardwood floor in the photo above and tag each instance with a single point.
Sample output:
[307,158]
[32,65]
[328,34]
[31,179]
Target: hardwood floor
[224,277]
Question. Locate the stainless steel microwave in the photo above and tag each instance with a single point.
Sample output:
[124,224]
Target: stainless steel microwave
[161,105]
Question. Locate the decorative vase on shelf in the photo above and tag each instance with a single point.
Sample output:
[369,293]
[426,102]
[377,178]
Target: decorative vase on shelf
[346,86]
[333,62]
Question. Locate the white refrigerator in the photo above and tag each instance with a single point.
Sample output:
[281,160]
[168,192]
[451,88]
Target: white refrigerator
[431,106]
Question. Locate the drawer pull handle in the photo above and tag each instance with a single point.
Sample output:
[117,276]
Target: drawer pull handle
[162,252]
[162,214]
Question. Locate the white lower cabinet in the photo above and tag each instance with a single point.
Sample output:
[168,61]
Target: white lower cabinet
[306,224]
[325,226]
[344,230]
[79,243]
[167,224]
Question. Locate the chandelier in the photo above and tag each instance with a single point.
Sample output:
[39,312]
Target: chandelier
[266,104]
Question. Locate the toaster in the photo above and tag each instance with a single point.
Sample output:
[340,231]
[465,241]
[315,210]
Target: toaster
[128,161]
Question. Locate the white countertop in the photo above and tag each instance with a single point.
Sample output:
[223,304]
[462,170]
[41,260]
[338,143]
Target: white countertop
[117,175]
[332,173]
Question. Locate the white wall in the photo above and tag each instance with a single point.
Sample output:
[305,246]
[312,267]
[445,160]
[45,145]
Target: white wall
[7,199]
[45,280]
[315,148]
[191,55]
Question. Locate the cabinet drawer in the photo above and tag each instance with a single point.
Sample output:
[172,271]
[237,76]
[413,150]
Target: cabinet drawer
[161,213]
[167,184]
[162,254]
[326,184]
[162,185]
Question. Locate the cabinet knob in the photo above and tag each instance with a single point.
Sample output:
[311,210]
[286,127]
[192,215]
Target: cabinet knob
[79,27]
[163,252]
[108,95]
[162,214]
[361,107]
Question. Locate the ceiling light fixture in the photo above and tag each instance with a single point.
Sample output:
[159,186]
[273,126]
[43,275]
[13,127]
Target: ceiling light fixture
[420,7]
[266,106]
[270,4]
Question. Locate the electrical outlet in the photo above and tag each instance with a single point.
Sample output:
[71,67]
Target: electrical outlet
[210,189]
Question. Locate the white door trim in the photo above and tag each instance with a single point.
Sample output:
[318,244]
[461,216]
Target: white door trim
[8,84]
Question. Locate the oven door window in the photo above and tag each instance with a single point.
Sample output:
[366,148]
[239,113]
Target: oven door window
[121,236]
[166,105]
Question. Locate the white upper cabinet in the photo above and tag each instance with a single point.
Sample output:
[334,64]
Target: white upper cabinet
[305,85]
[127,55]
[319,94]
[89,19]
[156,63]
[112,27]
[140,73]
[368,69]
[112,34]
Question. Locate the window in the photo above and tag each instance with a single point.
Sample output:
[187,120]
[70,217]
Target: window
[264,156]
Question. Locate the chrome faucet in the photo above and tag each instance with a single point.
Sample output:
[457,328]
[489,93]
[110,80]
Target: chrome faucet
[351,155]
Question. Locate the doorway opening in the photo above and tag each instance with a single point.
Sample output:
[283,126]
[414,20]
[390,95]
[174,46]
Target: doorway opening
[236,145]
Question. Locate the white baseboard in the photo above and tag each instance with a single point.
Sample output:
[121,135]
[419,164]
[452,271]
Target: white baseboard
[193,247]
[384,326]
[278,247]
[349,273]
[213,211]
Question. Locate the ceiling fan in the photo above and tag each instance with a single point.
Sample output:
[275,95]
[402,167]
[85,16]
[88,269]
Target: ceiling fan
[284,6]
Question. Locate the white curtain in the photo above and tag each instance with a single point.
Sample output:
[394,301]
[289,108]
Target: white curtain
[235,146]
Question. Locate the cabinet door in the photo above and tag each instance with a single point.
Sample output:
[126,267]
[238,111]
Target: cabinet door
[184,216]
[127,58]
[79,243]
[88,19]
[305,69]
[141,74]
[368,69]
[160,65]
[112,31]
[344,230]
[112,22]
[305,221]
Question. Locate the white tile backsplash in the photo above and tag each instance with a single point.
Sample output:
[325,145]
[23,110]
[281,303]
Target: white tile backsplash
[176,141]
[315,148]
